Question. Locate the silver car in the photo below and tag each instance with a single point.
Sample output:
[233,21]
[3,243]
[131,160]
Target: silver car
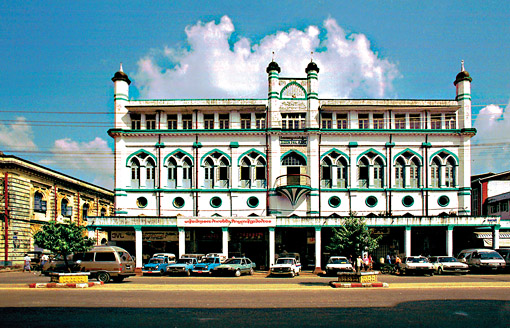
[448,264]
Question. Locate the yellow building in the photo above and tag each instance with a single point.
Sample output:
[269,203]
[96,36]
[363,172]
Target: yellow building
[31,195]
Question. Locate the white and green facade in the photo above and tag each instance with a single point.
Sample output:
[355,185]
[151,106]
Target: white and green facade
[261,176]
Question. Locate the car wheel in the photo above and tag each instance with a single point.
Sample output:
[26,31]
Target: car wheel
[431,274]
[237,273]
[104,277]
[188,273]
[162,272]
[440,271]
[251,272]
[292,274]
[298,273]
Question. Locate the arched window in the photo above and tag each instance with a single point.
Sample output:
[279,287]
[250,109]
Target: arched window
[363,176]
[245,172]
[443,170]
[172,173]
[65,209]
[103,211]
[295,165]
[399,173]
[135,173]
[217,171]
[342,173]
[435,178]
[187,173]
[415,173]
[260,172]
[39,203]
[450,173]
[378,173]
[151,174]
[326,172]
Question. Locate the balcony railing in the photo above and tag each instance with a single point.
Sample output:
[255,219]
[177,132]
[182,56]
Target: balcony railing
[293,186]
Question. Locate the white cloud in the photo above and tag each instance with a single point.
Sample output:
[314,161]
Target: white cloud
[86,160]
[491,147]
[18,136]
[213,67]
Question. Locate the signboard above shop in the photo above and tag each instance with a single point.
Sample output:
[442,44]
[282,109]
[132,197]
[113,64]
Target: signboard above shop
[293,141]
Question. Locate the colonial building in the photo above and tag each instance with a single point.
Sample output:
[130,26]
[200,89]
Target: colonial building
[261,176]
[31,195]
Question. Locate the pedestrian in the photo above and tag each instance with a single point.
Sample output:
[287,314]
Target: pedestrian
[366,263]
[397,262]
[44,260]
[370,262]
[388,258]
[26,264]
[359,263]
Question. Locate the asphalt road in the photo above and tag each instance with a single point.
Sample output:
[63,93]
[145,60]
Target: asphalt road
[258,301]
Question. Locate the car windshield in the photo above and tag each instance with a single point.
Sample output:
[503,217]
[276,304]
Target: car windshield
[490,256]
[156,260]
[417,260]
[208,260]
[338,261]
[184,261]
[447,259]
[233,261]
[284,261]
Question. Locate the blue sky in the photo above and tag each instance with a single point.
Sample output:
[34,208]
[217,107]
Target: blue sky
[58,57]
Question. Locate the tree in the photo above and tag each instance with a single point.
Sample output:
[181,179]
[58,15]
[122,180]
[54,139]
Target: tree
[63,239]
[353,238]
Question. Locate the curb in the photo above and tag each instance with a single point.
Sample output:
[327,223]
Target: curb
[62,285]
[335,284]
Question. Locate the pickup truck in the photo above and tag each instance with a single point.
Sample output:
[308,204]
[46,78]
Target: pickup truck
[286,266]
[184,265]
[156,265]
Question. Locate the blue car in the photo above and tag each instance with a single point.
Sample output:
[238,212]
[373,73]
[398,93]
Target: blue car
[182,266]
[156,265]
[206,265]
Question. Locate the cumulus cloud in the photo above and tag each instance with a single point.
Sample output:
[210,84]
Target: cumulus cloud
[211,65]
[18,136]
[491,151]
[88,160]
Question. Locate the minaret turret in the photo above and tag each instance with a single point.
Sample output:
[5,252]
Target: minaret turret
[121,84]
[273,71]
[312,75]
[463,96]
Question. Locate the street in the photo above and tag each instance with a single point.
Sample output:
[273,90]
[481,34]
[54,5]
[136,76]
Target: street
[307,300]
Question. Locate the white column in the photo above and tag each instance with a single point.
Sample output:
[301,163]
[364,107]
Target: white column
[138,247]
[224,235]
[182,242]
[407,241]
[318,249]
[92,233]
[449,241]
[271,246]
[495,237]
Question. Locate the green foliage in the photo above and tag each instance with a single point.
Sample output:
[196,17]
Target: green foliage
[63,239]
[352,238]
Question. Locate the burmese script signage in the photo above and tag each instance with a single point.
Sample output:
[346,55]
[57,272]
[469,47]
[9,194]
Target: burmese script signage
[146,236]
[293,141]
[226,222]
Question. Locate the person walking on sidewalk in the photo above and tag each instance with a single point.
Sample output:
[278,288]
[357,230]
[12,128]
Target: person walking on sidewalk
[26,264]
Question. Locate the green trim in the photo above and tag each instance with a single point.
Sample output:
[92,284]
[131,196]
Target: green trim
[426,145]
[463,193]
[121,212]
[407,205]
[177,206]
[371,197]
[468,130]
[408,150]
[352,144]
[311,195]
[371,150]
[159,145]
[194,190]
[250,151]
[288,86]
[120,195]
[214,151]
[335,199]
[389,145]
[115,98]
[251,198]
[446,151]
[138,152]
[338,151]
[312,212]
[295,151]
[447,202]
[214,198]
[234,144]
[197,145]
[178,150]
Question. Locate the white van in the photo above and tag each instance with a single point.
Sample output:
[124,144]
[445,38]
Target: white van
[482,259]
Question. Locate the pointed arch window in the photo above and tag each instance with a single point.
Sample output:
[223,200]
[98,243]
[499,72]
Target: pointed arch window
[408,170]
[378,173]
[65,209]
[371,170]
[103,211]
[363,175]
[399,173]
[295,166]
[151,174]
[172,173]
[85,211]
[450,173]
[443,170]
[209,173]
[216,171]
[187,173]
[342,173]
[135,173]
[326,172]
[435,178]
[39,203]
[415,173]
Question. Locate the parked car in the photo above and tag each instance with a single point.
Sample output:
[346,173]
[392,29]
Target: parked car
[222,257]
[104,263]
[196,256]
[505,254]
[286,266]
[448,264]
[235,266]
[206,265]
[157,265]
[338,264]
[184,265]
[416,264]
[293,255]
[482,259]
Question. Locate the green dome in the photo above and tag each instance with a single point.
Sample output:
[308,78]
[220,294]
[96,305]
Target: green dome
[273,66]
